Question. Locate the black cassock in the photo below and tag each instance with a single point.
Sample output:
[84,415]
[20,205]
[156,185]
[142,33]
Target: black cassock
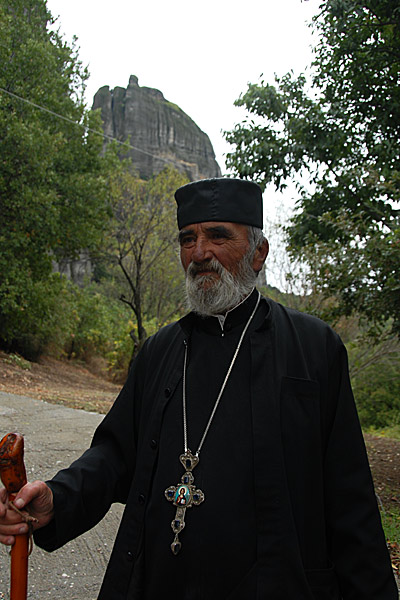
[289,511]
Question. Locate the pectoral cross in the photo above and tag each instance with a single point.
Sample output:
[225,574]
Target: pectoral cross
[183,495]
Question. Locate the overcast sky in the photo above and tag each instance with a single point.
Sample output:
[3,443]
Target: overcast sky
[201,55]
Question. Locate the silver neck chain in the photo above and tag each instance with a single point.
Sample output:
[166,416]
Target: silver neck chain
[221,391]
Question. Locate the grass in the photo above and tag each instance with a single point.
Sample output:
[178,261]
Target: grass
[16,359]
[391,526]
[391,431]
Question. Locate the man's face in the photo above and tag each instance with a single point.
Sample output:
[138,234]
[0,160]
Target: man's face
[219,269]
[202,242]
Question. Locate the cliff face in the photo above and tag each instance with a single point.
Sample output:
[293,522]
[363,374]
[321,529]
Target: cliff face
[161,131]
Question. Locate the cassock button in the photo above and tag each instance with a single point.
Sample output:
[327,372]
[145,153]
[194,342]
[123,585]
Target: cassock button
[142,498]
[129,556]
[153,444]
[167,392]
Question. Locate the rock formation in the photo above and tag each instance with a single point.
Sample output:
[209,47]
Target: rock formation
[160,131]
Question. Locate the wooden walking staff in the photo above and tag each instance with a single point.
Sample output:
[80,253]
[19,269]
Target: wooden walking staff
[13,476]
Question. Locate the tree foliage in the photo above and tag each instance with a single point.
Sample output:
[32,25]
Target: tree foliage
[341,132]
[143,246]
[52,174]
[376,383]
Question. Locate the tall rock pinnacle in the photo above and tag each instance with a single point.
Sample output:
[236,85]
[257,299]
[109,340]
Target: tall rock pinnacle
[160,131]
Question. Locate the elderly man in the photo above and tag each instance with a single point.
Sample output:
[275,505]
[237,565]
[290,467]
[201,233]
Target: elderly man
[234,444]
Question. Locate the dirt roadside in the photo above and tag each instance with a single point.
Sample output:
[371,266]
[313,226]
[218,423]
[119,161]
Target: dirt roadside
[59,382]
[73,385]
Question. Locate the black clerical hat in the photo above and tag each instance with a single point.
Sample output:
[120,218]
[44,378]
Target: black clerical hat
[220,199]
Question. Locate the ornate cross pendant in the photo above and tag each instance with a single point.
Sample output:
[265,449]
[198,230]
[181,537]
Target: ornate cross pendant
[183,495]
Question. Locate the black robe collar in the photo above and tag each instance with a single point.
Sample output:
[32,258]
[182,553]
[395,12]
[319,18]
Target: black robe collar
[236,317]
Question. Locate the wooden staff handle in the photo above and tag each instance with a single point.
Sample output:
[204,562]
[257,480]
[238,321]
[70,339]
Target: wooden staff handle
[13,476]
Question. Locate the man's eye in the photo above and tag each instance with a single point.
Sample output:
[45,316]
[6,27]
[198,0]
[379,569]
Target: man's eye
[187,241]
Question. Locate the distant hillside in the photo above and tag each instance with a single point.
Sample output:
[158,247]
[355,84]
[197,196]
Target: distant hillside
[158,128]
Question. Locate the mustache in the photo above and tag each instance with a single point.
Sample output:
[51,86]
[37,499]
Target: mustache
[208,265]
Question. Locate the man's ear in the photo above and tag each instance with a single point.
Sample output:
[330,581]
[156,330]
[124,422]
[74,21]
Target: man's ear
[260,256]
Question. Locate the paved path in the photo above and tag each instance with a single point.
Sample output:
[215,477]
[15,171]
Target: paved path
[54,437]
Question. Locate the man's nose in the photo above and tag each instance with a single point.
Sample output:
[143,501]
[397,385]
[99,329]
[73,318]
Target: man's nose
[202,251]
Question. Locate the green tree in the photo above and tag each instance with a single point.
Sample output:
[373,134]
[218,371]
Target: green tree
[375,379]
[52,174]
[341,132]
[143,246]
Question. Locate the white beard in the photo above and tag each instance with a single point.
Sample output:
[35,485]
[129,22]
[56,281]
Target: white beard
[208,295]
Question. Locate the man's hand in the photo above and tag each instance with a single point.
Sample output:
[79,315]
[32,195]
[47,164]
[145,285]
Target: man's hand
[34,499]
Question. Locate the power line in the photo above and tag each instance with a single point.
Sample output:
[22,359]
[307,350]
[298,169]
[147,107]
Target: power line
[102,134]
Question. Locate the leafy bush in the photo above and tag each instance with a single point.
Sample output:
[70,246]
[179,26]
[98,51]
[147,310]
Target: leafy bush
[68,321]
[42,318]
[377,394]
[120,357]
[97,322]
